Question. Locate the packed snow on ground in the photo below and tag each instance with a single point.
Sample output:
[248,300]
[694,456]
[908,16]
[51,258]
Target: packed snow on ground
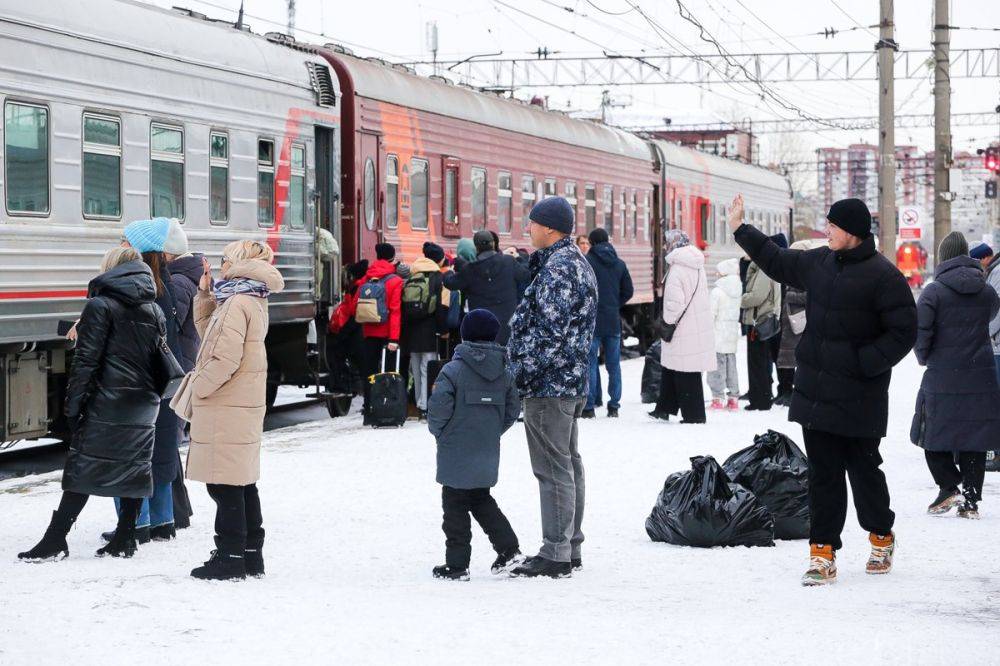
[353,530]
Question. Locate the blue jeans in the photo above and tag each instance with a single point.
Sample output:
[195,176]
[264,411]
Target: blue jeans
[156,510]
[612,362]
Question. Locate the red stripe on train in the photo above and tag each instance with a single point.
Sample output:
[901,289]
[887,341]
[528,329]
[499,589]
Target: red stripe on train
[69,293]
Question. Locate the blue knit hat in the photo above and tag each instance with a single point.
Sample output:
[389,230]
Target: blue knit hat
[480,326]
[148,235]
[980,251]
[554,213]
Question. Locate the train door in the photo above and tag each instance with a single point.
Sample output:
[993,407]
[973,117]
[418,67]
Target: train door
[450,196]
[703,224]
[656,216]
[326,200]
[367,211]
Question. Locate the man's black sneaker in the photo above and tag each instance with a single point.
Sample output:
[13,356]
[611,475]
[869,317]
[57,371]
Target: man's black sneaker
[535,567]
[969,510]
[444,572]
[946,500]
[612,412]
[162,532]
[587,414]
[221,567]
[577,563]
[254,561]
[506,561]
[660,416]
[141,535]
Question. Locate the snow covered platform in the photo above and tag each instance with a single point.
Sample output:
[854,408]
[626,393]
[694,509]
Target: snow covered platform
[353,529]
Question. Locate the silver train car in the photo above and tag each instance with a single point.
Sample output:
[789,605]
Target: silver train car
[115,111]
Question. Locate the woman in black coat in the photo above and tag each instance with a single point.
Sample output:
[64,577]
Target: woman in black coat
[111,404]
[957,404]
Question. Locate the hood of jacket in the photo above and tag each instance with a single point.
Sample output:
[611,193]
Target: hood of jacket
[961,274]
[189,266]
[486,359]
[425,265]
[129,283]
[379,269]
[466,249]
[688,255]
[604,253]
[731,286]
[256,269]
[729,267]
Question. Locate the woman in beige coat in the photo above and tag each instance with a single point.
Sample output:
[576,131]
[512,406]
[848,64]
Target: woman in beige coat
[228,386]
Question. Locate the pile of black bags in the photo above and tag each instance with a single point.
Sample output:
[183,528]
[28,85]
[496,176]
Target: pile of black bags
[651,374]
[703,508]
[759,494]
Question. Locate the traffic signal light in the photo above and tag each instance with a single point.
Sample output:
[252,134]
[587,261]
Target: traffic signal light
[991,159]
[991,189]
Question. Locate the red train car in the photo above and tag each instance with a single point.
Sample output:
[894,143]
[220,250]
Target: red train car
[423,159]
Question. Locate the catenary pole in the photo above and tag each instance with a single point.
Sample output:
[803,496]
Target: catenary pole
[886,48]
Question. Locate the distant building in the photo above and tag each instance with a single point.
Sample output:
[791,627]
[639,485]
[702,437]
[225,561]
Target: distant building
[732,143]
[848,173]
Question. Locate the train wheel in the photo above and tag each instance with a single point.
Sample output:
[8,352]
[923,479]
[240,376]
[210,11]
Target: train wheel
[339,406]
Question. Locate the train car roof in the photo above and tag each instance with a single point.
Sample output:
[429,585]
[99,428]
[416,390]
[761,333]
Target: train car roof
[185,37]
[395,85]
[719,167]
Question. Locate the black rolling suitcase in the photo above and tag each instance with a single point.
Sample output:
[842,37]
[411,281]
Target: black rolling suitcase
[434,367]
[387,398]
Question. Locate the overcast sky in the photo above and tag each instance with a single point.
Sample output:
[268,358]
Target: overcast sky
[396,30]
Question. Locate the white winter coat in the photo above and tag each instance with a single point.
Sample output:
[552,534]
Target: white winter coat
[692,348]
[726,297]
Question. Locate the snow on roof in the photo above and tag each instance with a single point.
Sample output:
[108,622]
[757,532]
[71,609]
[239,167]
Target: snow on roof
[694,160]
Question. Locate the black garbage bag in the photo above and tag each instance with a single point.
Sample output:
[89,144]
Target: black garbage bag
[777,472]
[651,374]
[703,508]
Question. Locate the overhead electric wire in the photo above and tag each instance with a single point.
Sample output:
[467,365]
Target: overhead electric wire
[854,20]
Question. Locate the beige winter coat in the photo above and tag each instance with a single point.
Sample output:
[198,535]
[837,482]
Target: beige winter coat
[229,381]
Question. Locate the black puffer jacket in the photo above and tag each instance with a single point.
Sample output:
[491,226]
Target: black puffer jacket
[860,321]
[958,398]
[168,432]
[493,282]
[185,274]
[111,402]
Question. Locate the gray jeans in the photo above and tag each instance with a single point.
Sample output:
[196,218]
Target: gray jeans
[550,424]
[724,377]
[418,370]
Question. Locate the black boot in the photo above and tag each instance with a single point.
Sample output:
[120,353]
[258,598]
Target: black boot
[254,560]
[660,416]
[507,560]
[122,543]
[576,563]
[142,535]
[221,567]
[537,566]
[444,572]
[612,412]
[163,532]
[587,414]
[53,544]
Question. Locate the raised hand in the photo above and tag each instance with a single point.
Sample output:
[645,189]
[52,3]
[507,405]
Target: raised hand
[736,213]
[206,278]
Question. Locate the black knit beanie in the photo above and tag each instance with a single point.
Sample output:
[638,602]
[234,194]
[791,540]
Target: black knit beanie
[598,236]
[853,216]
[385,252]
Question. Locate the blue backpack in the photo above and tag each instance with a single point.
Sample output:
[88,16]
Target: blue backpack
[454,310]
[372,306]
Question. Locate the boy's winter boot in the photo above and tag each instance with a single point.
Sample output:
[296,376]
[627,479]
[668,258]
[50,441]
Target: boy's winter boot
[612,412]
[122,543]
[537,566]
[254,560]
[943,503]
[445,572]
[883,549]
[221,567]
[733,405]
[53,544]
[506,561]
[716,404]
[970,504]
[822,566]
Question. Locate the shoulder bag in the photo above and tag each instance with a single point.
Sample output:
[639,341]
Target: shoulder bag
[666,331]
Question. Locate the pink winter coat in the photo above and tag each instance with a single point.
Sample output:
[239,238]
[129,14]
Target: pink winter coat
[692,348]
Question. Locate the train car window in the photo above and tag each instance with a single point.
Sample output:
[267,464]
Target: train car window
[418,194]
[609,210]
[623,213]
[570,192]
[265,182]
[635,214]
[166,171]
[102,166]
[590,203]
[369,194]
[646,212]
[297,188]
[451,195]
[391,191]
[218,178]
[478,178]
[26,158]
[550,187]
[527,197]
[505,196]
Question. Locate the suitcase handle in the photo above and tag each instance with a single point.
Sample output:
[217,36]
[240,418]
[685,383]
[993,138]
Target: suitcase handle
[396,353]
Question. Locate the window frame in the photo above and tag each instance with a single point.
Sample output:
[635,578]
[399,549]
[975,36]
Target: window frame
[427,193]
[48,158]
[272,169]
[589,204]
[573,200]
[391,178]
[608,210]
[507,194]
[545,188]
[302,171]
[527,195]
[472,198]
[635,214]
[623,211]
[102,149]
[162,156]
[220,163]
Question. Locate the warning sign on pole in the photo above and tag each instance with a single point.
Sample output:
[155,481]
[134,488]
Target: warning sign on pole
[911,219]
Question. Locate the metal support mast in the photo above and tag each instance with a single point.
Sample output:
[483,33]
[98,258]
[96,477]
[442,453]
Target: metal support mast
[886,48]
[942,125]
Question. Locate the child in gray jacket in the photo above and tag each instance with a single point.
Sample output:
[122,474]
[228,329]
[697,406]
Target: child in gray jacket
[473,402]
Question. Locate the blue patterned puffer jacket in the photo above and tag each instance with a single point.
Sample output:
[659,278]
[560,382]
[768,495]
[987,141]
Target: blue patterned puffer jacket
[553,326]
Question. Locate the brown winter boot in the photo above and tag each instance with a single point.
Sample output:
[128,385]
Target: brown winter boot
[883,548]
[822,566]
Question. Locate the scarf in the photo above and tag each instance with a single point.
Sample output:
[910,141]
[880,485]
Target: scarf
[225,289]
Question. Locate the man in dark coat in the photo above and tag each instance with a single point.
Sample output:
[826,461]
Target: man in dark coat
[549,354]
[614,289]
[185,273]
[957,404]
[492,282]
[861,321]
